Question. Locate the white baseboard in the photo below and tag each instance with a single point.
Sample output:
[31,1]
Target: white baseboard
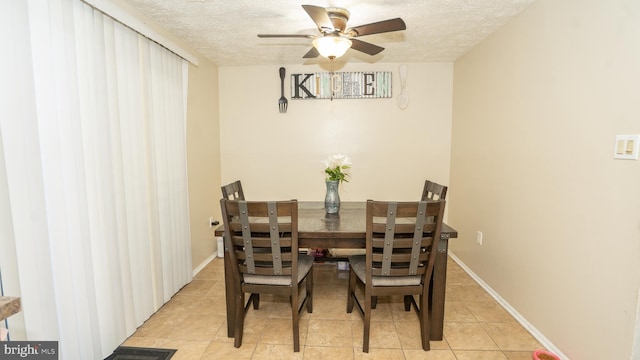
[511,310]
[204,263]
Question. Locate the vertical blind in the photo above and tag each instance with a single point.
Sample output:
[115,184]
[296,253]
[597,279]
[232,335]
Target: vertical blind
[93,135]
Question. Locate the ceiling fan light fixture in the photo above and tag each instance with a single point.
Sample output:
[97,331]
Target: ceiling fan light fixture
[332,47]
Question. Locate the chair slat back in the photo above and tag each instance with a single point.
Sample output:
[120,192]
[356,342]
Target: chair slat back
[402,237]
[262,236]
[233,191]
[433,191]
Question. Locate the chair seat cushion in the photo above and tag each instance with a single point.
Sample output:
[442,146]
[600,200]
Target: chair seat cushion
[358,264]
[344,253]
[305,262]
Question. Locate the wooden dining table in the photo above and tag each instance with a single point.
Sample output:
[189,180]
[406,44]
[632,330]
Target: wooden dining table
[346,230]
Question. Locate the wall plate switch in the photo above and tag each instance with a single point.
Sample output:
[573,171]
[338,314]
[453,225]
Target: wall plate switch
[479,237]
[627,147]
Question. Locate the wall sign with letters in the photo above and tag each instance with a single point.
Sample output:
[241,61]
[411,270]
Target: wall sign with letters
[341,85]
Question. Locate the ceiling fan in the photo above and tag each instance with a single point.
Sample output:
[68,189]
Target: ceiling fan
[335,38]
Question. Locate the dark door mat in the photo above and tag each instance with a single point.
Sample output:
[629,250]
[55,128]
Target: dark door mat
[138,353]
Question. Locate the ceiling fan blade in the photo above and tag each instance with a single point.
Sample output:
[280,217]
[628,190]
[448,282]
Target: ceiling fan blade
[365,47]
[285,36]
[313,53]
[319,16]
[378,27]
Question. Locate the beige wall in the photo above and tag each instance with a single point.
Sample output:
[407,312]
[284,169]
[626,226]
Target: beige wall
[536,108]
[280,155]
[203,158]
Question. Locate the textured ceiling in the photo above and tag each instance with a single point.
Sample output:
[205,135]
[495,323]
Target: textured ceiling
[225,31]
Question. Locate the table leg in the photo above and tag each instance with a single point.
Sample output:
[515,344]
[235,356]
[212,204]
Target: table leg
[229,290]
[438,289]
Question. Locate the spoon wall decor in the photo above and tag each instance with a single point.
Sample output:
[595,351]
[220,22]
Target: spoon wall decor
[403,98]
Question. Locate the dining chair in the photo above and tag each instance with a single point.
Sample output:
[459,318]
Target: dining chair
[233,191]
[262,239]
[433,191]
[401,247]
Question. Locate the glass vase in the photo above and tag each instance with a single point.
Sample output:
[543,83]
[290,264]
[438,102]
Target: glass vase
[332,199]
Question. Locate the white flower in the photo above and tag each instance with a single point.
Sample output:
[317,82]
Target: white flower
[334,166]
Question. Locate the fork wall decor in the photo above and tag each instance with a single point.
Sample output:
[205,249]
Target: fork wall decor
[341,85]
[282,102]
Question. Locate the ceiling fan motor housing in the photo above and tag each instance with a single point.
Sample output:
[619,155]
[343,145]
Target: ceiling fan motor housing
[339,18]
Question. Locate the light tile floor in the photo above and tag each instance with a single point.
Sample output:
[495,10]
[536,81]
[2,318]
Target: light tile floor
[194,322]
